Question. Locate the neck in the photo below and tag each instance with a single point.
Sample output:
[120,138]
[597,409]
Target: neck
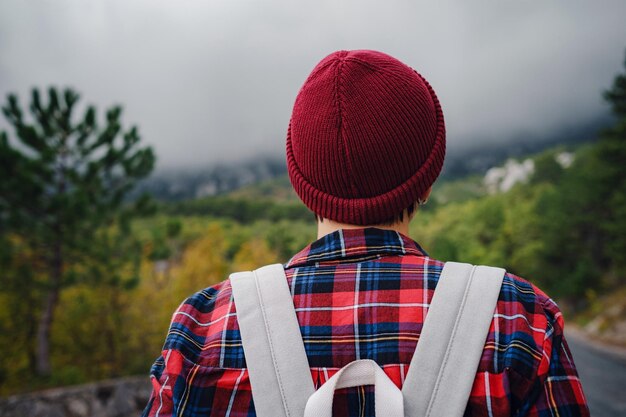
[328,226]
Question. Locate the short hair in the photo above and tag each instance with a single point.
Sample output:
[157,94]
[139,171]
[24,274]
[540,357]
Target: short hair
[399,217]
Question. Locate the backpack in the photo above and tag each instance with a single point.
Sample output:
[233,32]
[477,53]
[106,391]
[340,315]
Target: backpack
[441,372]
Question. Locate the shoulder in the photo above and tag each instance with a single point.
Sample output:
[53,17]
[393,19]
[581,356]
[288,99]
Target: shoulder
[198,323]
[191,374]
[521,297]
[530,352]
[525,322]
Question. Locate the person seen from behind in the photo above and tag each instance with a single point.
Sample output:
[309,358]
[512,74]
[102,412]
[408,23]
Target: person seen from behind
[365,143]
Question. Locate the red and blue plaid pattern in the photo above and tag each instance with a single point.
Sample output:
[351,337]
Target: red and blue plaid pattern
[363,294]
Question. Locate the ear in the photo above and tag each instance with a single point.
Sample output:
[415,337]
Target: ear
[426,194]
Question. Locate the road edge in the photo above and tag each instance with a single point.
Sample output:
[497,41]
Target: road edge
[576,333]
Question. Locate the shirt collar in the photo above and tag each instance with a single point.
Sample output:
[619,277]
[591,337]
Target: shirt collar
[356,245]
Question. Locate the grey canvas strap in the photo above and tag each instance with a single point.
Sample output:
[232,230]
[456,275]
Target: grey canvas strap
[443,367]
[277,363]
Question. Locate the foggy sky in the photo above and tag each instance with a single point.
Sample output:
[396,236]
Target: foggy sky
[215,80]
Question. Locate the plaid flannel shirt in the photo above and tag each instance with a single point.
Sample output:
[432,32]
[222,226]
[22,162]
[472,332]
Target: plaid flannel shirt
[363,294]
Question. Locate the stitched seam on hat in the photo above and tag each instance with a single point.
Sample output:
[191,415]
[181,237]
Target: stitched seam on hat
[318,69]
[364,63]
[346,155]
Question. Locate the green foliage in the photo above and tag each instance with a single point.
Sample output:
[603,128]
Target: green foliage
[241,209]
[62,198]
[278,189]
[446,191]
[547,169]
[616,95]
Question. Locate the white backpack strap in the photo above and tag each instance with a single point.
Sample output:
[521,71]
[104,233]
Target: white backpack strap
[452,340]
[277,363]
[387,396]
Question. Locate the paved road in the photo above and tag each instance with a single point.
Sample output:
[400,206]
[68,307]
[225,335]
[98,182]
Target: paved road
[603,375]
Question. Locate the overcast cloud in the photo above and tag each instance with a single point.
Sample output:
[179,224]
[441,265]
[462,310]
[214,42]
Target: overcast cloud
[215,80]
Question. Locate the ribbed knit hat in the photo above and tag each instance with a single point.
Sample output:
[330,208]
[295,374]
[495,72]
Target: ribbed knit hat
[366,138]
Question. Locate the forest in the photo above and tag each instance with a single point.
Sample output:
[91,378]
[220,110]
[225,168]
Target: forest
[89,278]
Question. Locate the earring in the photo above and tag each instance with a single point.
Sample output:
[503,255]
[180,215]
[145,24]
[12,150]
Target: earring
[421,202]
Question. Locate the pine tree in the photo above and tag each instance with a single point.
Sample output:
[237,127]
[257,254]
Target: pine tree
[64,179]
[611,151]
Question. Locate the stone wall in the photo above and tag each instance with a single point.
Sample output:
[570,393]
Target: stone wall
[124,397]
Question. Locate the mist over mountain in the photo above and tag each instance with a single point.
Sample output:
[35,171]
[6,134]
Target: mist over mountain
[185,183]
[461,161]
[195,182]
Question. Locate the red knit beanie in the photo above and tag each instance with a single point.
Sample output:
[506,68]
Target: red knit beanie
[366,138]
